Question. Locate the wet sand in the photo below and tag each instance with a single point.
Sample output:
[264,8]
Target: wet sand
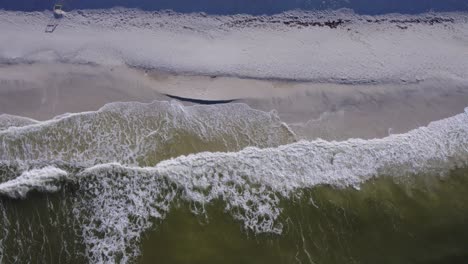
[313,110]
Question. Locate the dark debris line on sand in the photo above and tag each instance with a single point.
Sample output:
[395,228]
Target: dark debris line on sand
[295,21]
[200,101]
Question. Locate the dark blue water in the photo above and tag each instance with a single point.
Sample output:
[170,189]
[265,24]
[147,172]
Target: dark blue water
[248,6]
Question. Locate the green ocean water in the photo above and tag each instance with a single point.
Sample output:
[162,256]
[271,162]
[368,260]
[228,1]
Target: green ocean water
[76,190]
[423,220]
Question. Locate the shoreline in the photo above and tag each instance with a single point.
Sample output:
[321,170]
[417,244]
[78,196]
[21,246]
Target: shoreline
[313,110]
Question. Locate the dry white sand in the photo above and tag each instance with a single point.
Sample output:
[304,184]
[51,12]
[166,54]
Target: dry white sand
[255,47]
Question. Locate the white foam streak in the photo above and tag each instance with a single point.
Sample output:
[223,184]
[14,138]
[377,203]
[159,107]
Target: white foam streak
[116,203]
[143,134]
[7,121]
[121,202]
[440,146]
[47,179]
[252,182]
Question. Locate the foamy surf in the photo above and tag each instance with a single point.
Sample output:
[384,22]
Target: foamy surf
[7,121]
[47,179]
[143,134]
[115,204]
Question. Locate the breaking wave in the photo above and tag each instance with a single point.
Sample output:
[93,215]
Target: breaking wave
[141,134]
[125,166]
[44,180]
[7,121]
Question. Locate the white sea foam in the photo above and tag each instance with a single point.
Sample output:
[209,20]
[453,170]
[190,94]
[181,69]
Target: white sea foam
[116,203]
[142,134]
[47,179]
[7,121]
[252,182]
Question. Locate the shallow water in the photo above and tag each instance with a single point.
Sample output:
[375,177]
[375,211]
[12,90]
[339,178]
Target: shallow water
[115,185]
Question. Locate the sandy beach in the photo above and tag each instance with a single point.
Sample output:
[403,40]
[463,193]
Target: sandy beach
[313,110]
[332,75]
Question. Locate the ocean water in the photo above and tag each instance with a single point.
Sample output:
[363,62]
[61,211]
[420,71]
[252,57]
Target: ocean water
[162,182]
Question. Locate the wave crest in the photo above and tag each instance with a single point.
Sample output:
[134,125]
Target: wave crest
[116,203]
[143,134]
